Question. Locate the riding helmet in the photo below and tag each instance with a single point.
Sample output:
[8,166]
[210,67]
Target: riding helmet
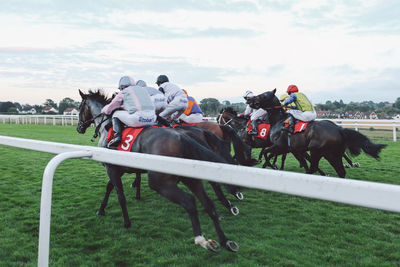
[162,79]
[126,81]
[292,89]
[248,94]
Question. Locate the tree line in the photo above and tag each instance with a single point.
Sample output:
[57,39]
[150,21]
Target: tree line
[212,106]
[14,107]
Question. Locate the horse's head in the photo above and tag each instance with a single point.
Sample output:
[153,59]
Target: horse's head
[89,108]
[265,100]
[226,115]
[85,115]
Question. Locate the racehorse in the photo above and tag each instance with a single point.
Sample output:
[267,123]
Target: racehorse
[228,116]
[321,138]
[165,142]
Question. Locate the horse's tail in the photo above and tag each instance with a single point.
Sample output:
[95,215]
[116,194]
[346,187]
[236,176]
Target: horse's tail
[241,149]
[192,149]
[356,141]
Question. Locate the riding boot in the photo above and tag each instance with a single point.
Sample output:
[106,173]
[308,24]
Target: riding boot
[254,130]
[117,128]
[290,130]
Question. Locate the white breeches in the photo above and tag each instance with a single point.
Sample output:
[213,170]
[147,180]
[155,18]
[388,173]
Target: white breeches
[159,101]
[192,118]
[137,119]
[178,104]
[303,115]
[258,114]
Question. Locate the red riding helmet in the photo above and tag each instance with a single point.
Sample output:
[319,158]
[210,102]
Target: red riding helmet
[292,89]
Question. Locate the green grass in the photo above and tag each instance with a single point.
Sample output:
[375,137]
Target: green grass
[272,229]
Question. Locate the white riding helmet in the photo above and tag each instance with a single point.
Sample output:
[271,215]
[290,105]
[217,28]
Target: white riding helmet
[126,81]
[248,94]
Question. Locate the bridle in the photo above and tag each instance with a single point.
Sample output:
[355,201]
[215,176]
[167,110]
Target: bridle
[222,121]
[87,123]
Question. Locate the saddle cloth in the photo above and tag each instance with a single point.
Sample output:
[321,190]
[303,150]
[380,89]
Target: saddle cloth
[263,130]
[128,137]
[299,126]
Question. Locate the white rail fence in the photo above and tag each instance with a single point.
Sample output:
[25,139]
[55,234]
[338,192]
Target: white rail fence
[354,192]
[66,120]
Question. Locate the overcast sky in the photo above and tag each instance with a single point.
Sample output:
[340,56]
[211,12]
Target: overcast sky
[331,50]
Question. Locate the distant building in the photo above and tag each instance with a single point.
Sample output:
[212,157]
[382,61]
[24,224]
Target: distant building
[70,111]
[373,116]
[49,109]
[27,110]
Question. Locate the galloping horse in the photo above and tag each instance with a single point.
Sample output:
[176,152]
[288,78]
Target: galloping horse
[165,142]
[321,138]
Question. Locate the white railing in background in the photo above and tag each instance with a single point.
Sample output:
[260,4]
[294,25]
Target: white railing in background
[360,193]
[40,119]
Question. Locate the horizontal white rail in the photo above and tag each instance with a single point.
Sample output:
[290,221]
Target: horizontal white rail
[354,192]
[361,193]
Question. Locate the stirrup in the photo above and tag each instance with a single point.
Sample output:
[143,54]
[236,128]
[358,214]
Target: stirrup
[114,142]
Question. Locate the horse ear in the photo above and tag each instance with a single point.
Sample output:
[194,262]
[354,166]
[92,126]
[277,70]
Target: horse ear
[274,91]
[82,94]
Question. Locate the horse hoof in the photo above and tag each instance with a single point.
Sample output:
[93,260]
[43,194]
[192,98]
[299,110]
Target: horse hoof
[132,185]
[232,246]
[101,212]
[235,210]
[127,225]
[212,245]
[239,195]
[356,164]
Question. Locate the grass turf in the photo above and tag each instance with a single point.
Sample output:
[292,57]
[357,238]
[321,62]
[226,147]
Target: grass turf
[272,229]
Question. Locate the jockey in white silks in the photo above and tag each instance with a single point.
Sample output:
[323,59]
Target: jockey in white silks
[137,108]
[158,98]
[177,101]
[256,115]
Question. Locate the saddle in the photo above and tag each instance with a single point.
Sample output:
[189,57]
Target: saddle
[299,126]
[263,129]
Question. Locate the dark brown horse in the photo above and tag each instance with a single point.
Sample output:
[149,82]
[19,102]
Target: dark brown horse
[321,138]
[165,142]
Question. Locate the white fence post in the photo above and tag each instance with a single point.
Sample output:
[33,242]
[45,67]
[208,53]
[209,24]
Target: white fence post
[45,202]
[394,132]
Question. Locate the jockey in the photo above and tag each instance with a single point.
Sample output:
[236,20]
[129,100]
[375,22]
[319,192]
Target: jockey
[158,98]
[256,115]
[177,101]
[301,108]
[135,108]
[193,114]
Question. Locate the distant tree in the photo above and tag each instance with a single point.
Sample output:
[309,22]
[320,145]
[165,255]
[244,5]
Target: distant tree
[66,103]
[50,103]
[210,106]
[18,105]
[38,108]
[397,103]
[5,106]
[12,110]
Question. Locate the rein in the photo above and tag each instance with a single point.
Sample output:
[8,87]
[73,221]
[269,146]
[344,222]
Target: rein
[97,130]
[224,121]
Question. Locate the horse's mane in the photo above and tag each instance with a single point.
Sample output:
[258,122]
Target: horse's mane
[230,110]
[100,96]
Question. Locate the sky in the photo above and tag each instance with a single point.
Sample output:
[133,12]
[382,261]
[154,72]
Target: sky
[332,50]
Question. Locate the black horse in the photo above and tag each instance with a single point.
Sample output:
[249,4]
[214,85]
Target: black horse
[165,142]
[228,116]
[321,138]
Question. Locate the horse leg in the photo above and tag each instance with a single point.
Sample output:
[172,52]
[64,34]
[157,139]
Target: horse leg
[136,183]
[197,188]
[234,190]
[315,157]
[302,161]
[218,191]
[307,157]
[115,174]
[166,185]
[109,188]
[283,160]
[336,161]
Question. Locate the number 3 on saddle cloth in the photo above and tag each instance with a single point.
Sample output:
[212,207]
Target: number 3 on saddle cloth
[263,130]
[128,137]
